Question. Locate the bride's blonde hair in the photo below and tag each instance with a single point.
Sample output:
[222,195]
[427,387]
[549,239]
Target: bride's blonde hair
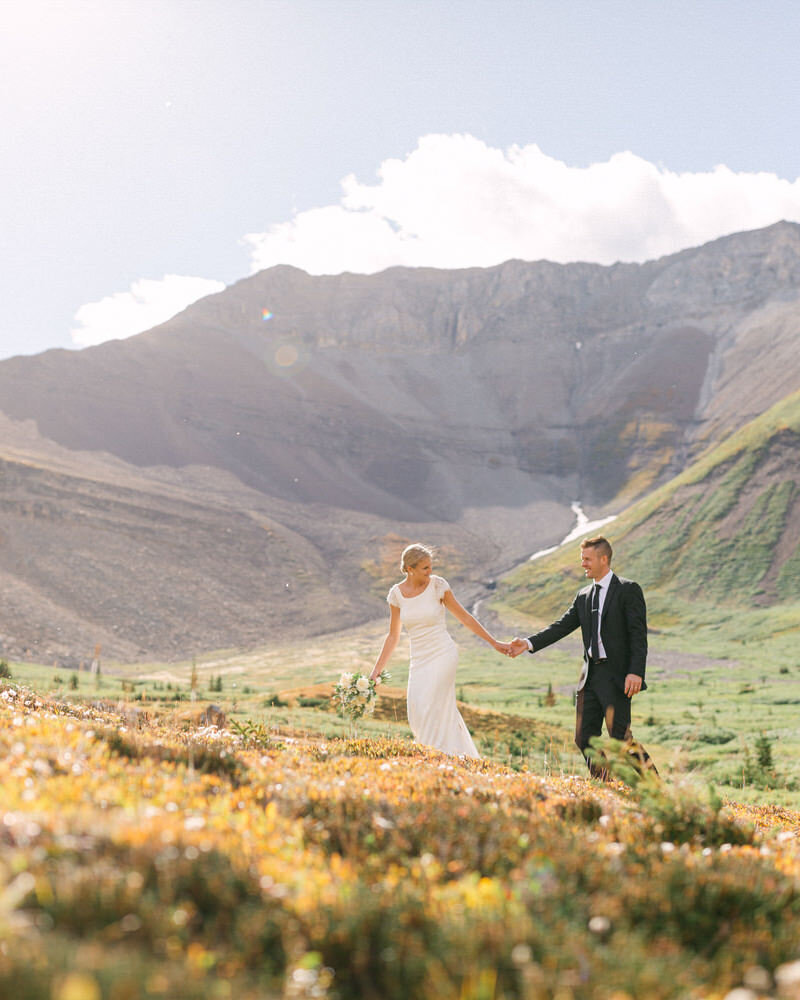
[414,553]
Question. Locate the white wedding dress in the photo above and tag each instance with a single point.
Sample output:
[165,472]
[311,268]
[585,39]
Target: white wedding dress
[432,713]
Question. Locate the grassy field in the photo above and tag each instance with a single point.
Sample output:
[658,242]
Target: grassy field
[722,704]
[146,856]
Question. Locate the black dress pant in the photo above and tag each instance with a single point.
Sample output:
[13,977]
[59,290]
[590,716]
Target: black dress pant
[600,701]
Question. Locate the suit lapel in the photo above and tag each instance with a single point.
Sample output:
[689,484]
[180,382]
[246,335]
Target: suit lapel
[611,596]
[585,616]
[587,604]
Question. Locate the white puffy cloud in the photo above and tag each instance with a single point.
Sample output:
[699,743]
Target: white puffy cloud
[456,202]
[148,303]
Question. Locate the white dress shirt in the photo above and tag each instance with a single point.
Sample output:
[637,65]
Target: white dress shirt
[601,600]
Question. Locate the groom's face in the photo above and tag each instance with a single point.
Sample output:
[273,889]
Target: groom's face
[594,565]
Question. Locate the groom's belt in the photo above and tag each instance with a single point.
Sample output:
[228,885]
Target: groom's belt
[593,662]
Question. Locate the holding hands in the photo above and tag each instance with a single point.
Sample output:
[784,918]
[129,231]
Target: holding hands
[513,648]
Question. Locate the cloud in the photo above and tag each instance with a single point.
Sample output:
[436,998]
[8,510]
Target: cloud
[148,303]
[456,202]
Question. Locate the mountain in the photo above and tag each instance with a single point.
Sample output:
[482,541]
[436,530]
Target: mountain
[323,421]
[163,563]
[724,534]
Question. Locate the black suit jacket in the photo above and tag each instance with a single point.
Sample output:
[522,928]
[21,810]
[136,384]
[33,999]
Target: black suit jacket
[623,627]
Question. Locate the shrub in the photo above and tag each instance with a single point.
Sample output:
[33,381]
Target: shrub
[764,753]
[274,701]
[256,734]
[313,701]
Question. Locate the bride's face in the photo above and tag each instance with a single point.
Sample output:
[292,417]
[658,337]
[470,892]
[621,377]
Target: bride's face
[421,573]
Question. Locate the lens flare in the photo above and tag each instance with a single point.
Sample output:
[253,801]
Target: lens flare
[286,355]
[266,314]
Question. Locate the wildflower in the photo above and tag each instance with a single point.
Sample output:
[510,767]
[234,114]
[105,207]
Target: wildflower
[521,954]
[788,977]
[599,925]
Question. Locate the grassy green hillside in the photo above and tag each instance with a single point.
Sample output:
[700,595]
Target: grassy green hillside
[158,859]
[726,532]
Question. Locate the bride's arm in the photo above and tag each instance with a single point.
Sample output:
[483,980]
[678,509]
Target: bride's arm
[471,622]
[389,643]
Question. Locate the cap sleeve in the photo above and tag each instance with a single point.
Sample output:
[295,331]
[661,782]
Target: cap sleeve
[442,586]
[392,598]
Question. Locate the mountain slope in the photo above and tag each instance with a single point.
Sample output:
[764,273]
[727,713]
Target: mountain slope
[726,531]
[163,564]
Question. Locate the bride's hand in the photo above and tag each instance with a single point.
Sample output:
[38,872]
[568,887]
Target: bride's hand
[502,647]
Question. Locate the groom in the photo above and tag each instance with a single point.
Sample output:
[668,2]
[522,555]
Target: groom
[613,620]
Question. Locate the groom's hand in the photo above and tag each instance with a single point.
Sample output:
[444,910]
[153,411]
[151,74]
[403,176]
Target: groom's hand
[518,646]
[633,685]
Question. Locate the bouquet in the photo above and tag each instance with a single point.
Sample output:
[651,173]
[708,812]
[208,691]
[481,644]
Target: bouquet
[356,694]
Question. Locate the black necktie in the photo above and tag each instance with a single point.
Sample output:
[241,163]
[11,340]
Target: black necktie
[595,650]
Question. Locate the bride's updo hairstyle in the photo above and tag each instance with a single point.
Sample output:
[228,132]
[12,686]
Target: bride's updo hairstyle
[412,554]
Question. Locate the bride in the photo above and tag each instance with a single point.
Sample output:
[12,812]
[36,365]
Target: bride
[419,603]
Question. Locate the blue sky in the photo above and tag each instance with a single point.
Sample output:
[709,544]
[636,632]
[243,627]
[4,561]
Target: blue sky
[154,151]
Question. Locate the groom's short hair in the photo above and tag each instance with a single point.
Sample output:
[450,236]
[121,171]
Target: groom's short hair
[602,545]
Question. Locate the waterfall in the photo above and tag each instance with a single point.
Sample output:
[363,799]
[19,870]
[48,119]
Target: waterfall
[583,526]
